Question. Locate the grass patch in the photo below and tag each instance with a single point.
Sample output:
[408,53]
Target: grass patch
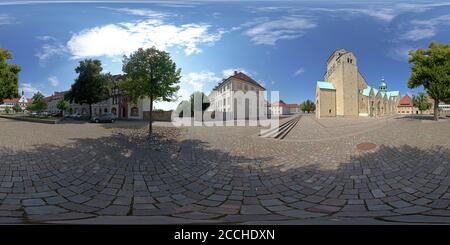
[33,118]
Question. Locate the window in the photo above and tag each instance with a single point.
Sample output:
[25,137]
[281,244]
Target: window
[134,112]
[106,110]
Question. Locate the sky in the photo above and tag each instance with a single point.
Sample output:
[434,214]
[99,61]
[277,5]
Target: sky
[282,45]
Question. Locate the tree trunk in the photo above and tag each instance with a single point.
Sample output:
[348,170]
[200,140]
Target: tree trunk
[436,109]
[90,111]
[150,117]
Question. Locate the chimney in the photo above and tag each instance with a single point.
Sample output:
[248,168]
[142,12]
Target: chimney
[235,72]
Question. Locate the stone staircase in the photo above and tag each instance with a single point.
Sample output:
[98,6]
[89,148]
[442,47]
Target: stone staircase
[283,130]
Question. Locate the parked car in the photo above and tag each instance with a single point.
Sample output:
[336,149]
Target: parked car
[75,115]
[105,117]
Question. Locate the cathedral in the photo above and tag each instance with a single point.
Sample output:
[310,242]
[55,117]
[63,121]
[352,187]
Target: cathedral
[345,92]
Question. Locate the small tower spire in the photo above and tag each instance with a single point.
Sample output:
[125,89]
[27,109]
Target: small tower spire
[383,86]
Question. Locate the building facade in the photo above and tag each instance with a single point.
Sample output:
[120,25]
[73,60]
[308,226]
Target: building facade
[11,103]
[406,106]
[117,104]
[345,92]
[225,97]
[281,108]
[52,102]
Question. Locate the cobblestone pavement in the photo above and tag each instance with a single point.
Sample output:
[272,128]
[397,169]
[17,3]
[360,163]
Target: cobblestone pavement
[87,173]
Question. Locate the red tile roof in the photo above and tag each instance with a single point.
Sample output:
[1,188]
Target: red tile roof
[279,103]
[15,100]
[55,95]
[292,105]
[406,101]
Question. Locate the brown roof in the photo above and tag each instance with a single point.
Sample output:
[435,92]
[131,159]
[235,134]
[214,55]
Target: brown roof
[292,105]
[405,101]
[279,103]
[243,77]
[55,95]
[15,100]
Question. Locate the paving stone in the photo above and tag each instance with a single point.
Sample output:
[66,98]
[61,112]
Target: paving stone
[44,210]
[253,209]
[227,173]
[33,202]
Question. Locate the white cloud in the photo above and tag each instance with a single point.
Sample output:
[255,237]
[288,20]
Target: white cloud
[189,83]
[423,29]
[6,19]
[53,81]
[28,89]
[299,71]
[46,38]
[50,48]
[122,39]
[287,28]
[230,71]
[399,53]
[139,12]
[385,12]
[197,80]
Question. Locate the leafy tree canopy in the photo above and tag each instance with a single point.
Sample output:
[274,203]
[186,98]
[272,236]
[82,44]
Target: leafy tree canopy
[150,73]
[9,76]
[421,102]
[307,106]
[91,86]
[431,69]
[63,105]
[39,104]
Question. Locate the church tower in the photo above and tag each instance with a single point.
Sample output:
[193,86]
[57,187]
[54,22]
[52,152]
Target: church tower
[343,73]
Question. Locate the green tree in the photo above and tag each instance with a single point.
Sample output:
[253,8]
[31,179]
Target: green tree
[7,110]
[431,69]
[9,76]
[91,86]
[150,73]
[421,102]
[307,106]
[39,104]
[17,108]
[63,105]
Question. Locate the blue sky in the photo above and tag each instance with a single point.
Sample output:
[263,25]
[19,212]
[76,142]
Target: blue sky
[283,45]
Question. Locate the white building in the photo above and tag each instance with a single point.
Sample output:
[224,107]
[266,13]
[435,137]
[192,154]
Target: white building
[281,108]
[225,97]
[11,103]
[52,102]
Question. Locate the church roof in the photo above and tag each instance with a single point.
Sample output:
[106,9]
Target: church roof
[405,101]
[393,93]
[326,85]
[366,92]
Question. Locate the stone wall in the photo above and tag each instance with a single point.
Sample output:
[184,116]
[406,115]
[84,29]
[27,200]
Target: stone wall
[165,116]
